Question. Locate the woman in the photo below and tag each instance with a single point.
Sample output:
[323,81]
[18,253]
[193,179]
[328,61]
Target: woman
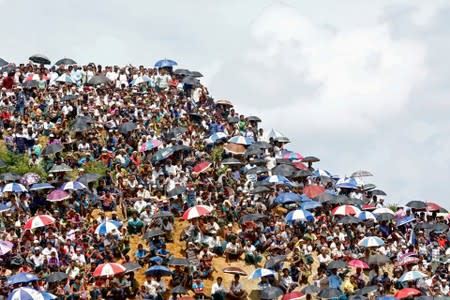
[218,290]
[236,290]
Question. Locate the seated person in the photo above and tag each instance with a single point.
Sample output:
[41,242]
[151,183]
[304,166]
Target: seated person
[135,225]
[205,266]
[286,282]
[198,287]
[233,250]
[141,255]
[237,291]
[163,253]
[251,255]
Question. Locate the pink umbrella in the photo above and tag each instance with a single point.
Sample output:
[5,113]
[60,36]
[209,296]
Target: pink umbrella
[293,296]
[197,211]
[345,210]
[38,221]
[407,260]
[368,207]
[30,178]
[108,269]
[356,263]
[201,167]
[58,195]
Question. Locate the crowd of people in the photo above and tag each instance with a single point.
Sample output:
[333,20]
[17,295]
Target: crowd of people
[110,155]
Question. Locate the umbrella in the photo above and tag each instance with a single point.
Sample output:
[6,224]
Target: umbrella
[65,78]
[181,148]
[3,62]
[158,271]
[180,290]
[361,173]
[293,296]
[163,63]
[197,211]
[241,140]
[176,131]
[14,188]
[378,259]
[153,233]
[274,261]
[58,195]
[378,193]
[325,197]
[320,172]
[433,207]
[234,149]
[405,220]
[311,289]
[260,190]
[73,185]
[356,263]
[26,293]
[290,155]
[9,177]
[163,214]
[347,183]
[337,264]
[141,79]
[282,139]
[5,207]
[384,217]
[412,276]
[383,210]
[30,178]
[174,261]
[41,186]
[284,170]
[53,148]
[345,210]
[271,293]
[218,136]
[127,127]
[69,98]
[365,215]
[371,241]
[288,197]
[407,292]
[368,207]
[439,227]
[196,74]
[30,84]
[80,126]
[5,247]
[108,269]
[253,119]
[60,168]
[252,151]
[407,260]
[162,154]
[40,59]
[349,220]
[178,190]
[277,179]
[231,162]
[87,178]
[65,61]
[183,72]
[190,80]
[56,277]
[201,167]
[313,191]
[261,272]
[3,164]
[311,205]
[23,277]
[224,102]
[416,204]
[299,215]
[98,79]
[329,293]
[367,289]
[38,221]
[358,297]
[252,218]
[310,159]
[234,270]
[107,227]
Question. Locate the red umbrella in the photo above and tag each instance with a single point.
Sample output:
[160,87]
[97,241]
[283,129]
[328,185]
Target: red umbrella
[345,210]
[234,270]
[368,207]
[201,167]
[356,263]
[300,165]
[312,191]
[293,296]
[407,292]
[108,269]
[433,206]
[39,221]
[407,260]
[197,211]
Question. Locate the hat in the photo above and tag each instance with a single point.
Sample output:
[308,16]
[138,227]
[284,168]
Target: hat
[230,225]
[140,186]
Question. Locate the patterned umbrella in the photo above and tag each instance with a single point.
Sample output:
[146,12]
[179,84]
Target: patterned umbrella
[345,210]
[371,241]
[412,276]
[107,227]
[30,178]
[299,215]
[38,221]
[25,293]
[5,247]
[365,215]
[14,188]
[58,195]
[241,140]
[149,145]
[73,185]
[261,272]
[108,269]
[197,211]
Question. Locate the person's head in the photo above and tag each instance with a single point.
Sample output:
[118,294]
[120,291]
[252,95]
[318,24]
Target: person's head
[236,277]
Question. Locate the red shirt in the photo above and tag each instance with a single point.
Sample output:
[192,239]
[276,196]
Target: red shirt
[8,82]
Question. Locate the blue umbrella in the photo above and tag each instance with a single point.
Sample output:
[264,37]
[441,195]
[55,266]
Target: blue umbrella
[371,241]
[107,227]
[41,186]
[261,272]
[48,296]
[158,271]
[14,188]
[405,220]
[412,276]
[320,172]
[387,298]
[311,205]
[73,185]
[288,198]
[5,207]
[23,277]
[163,63]
[241,140]
[277,179]
[26,293]
[347,183]
[299,215]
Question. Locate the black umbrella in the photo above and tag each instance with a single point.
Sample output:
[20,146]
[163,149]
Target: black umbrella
[174,261]
[153,233]
[231,162]
[131,267]
[196,74]
[271,293]
[378,193]
[337,264]
[233,120]
[311,289]
[87,178]
[439,227]
[325,197]
[127,127]
[260,190]
[53,148]
[367,289]
[80,126]
[252,152]
[261,145]
[2,164]
[69,97]
[65,61]
[9,177]
[432,298]
[302,173]
[3,62]
[40,59]
[253,119]
[183,72]
[274,261]
[175,132]
[252,217]
[56,277]
[329,293]
[257,170]
[179,290]
[183,148]
[424,226]
[98,79]
[349,220]
[368,187]
[163,214]
[189,80]
[384,217]
[30,84]
[358,297]
[285,170]
[343,199]
[158,270]
[378,259]
[311,159]
[178,190]
[282,139]
[417,204]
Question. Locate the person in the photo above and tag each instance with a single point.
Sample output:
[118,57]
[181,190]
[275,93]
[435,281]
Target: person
[236,291]
[218,290]
[198,287]
[251,255]
[286,282]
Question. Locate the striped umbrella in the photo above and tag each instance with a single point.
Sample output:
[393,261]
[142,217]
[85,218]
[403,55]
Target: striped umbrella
[290,155]
[108,269]
[371,241]
[261,272]
[38,221]
[26,293]
[58,195]
[14,188]
[107,227]
[216,137]
[320,172]
[241,140]
[73,185]
[345,210]
[347,183]
[365,215]
[5,247]
[356,263]
[383,210]
[412,276]
[277,179]
[149,145]
[299,215]
[197,211]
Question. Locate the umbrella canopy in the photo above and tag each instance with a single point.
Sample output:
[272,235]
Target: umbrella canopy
[87,178]
[261,272]
[9,177]
[23,277]
[252,218]
[127,127]
[311,289]
[58,195]
[407,292]
[65,78]
[30,178]
[56,277]
[178,290]
[293,296]
[53,148]
[277,179]
[158,271]
[366,215]
[131,267]
[347,183]
[311,205]
[98,80]
[412,276]
[241,140]
[405,220]
[107,227]
[378,193]
[231,162]
[329,293]
[162,154]
[184,72]
[285,170]
[407,261]
[224,102]
[40,59]
[5,247]
[73,185]
[260,190]
[216,137]
[356,263]
[41,186]
[65,61]
[271,293]
[38,221]
[108,269]
[383,210]
[371,241]
[234,149]
[345,210]
[384,217]
[274,261]
[26,293]
[299,215]
[367,289]
[178,190]
[349,220]
[361,173]
[3,164]
[60,168]
[201,167]
[164,63]
[431,206]
[313,191]
[191,80]
[337,264]
[154,232]
[378,259]
[417,204]
[14,188]
[174,261]
[288,198]
[310,159]
[234,270]
[253,119]
[3,62]
[197,211]
[291,155]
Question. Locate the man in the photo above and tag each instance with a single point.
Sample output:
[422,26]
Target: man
[236,291]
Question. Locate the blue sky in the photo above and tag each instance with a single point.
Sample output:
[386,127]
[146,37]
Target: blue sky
[360,84]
